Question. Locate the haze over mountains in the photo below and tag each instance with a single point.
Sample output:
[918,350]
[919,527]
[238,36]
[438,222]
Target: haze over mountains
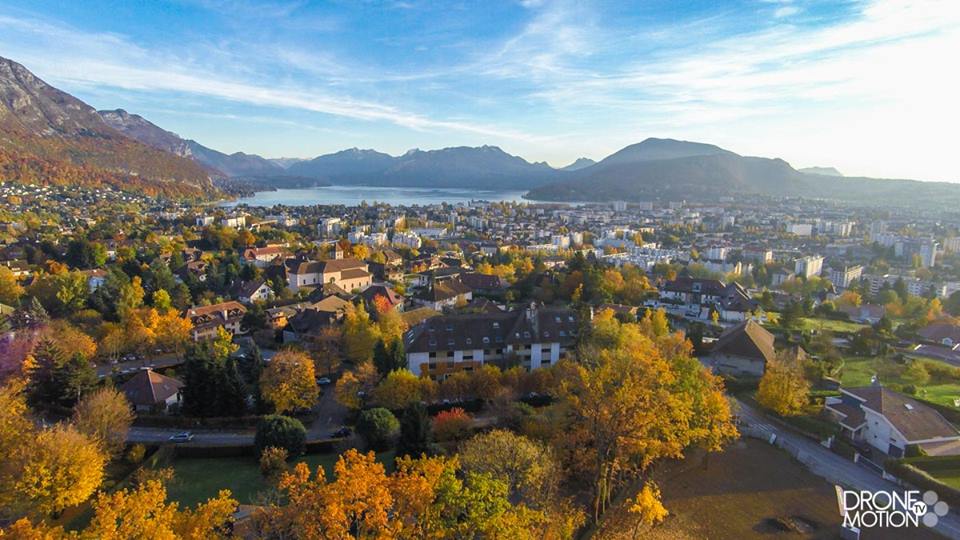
[48,136]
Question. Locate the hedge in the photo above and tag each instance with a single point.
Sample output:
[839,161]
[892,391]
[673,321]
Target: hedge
[922,479]
[188,422]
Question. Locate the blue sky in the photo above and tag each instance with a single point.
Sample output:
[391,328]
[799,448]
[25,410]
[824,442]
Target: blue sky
[868,86]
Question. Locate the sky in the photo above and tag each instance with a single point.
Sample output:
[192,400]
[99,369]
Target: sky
[870,87]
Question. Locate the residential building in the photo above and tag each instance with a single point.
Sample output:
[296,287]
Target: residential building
[890,422]
[808,266]
[206,320]
[536,336]
[149,391]
[844,277]
[743,350]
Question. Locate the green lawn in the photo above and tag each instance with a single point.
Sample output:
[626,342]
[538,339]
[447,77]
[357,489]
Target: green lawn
[818,323]
[857,371]
[198,479]
[946,471]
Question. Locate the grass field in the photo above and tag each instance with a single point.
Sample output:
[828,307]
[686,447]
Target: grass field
[857,371]
[198,479]
[946,471]
[746,492]
[818,323]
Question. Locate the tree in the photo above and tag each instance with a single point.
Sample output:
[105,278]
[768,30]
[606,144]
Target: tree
[55,379]
[60,468]
[647,507]
[347,391]
[273,462]
[389,357]
[416,435]
[398,389]
[528,468]
[289,381]
[105,416]
[161,300]
[144,513]
[360,335]
[172,332]
[212,385]
[378,426]
[10,289]
[783,389]
[452,425]
[279,431]
[131,297]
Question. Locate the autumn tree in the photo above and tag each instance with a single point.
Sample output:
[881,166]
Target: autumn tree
[143,513]
[60,467]
[105,416]
[289,381]
[400,388]
[634,399]
[783,388]
[360,335]
[10,289]
[528,468]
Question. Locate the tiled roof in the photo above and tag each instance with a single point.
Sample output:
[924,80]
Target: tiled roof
[916,421]
[148,387]
[748,339]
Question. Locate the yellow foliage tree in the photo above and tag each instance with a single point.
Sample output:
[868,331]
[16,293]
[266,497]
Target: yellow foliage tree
[289,381]
[783,388]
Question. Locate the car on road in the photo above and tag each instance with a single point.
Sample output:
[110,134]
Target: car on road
[342,433]
[323,381]
[186,436]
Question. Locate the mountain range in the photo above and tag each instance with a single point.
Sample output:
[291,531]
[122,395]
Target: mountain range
[49,136]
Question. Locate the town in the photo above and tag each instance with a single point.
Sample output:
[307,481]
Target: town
[829,325]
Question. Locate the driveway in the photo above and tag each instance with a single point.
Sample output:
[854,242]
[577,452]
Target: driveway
[836,469]
[329,414]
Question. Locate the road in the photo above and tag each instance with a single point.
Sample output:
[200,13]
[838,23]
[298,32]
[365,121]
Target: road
[330,416]
[838,470]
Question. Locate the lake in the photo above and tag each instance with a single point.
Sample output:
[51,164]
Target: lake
[354,195]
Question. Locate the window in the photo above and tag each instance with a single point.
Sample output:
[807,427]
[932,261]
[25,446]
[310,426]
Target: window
[486,339]
[433,354]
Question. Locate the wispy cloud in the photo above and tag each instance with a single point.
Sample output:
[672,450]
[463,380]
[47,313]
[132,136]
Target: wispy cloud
[111,60]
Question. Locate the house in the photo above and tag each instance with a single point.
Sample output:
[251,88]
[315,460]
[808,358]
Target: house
[890,422]
[257,290]
[943,333]
[692,291]
[348,274]
[207,319]
[743,350]
[536,336]
[445,293]
[483,283]
[95,278]
[262,257]
[149,391]
[864,313]
[391,298]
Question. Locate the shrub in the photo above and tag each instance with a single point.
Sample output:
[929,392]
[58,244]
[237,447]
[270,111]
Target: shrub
[378,426]
[452,425]
[273,462]
[136,454]
[281,432]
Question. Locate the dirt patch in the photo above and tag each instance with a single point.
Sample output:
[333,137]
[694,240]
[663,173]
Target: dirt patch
[751,490]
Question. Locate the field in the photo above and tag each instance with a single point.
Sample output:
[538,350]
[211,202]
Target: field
[944,470]
[198,479]
[857,371]
[748,491]
[819,323]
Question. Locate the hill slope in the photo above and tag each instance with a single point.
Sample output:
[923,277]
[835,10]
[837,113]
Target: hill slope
[49,136]
[237,164]
[666,169]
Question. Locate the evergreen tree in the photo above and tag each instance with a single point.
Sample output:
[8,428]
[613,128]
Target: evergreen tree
[416,433]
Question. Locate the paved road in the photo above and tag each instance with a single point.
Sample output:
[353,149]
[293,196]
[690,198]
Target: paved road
[156,435]
[330,416]
[838,470]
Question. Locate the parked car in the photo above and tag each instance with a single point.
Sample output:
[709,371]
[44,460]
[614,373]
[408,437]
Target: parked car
[341,433]
[186,436]
[323,381]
